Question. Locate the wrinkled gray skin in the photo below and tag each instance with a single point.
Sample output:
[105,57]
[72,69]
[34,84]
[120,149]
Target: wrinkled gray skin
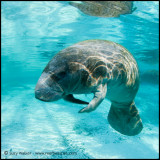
[101,67]
[104,8]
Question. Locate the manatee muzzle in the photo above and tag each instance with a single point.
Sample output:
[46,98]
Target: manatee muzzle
[48,93]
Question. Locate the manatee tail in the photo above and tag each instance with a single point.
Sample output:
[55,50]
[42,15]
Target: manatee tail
[125,120]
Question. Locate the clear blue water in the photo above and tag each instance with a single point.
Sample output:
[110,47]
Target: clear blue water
[32,33]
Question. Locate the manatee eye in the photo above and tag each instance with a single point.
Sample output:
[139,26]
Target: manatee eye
[62,74]
[58,76]
[50,72]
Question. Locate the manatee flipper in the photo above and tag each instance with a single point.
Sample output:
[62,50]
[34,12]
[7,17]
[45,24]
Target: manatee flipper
[99,96]
[125,120]
[70,98]
[133,9]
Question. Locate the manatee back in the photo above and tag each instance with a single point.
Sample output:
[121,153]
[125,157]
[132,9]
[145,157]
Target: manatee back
[104,8]
[118,60]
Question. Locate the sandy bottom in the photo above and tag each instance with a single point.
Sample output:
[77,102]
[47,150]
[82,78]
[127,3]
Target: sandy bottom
[36,129]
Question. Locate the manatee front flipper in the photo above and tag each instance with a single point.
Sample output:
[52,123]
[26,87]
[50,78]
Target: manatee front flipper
[126,119]
[99,95]
[70,98]
[133,9]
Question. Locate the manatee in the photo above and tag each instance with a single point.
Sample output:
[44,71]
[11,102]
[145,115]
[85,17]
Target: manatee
[104,8]
[101,67]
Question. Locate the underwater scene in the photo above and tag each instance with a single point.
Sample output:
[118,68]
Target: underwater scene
[80,79]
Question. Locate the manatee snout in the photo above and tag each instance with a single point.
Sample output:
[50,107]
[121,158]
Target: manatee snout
[41,94]
[48,90]
[47,95]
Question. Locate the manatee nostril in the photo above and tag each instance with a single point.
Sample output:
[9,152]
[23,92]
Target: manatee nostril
[37,93]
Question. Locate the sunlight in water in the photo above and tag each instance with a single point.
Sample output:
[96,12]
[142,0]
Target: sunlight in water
[32,33]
